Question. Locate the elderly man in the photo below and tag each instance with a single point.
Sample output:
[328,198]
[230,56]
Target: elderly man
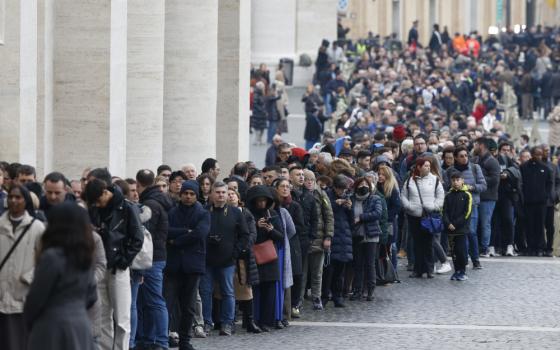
[190,171]
[272,151]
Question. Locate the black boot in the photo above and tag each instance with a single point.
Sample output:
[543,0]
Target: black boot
[248,322]
[370,294]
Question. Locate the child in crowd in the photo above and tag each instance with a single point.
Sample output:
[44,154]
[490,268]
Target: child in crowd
[456,216]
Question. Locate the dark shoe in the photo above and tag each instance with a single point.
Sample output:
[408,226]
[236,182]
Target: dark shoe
[264,328]
[285,323]
[226,330]
[548,254]
[410,267]
[207,329]
[429,275]
[217,326]
[540,254]
[476,265]
[278,325]
[324,302]
[187,346]
[317,304]
[370,294]
[253,328]
[356,295]
[415,275]
[338,303]
[173,340]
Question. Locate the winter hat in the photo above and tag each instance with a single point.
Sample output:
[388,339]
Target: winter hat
[299,153]
[190,185]
[399,133]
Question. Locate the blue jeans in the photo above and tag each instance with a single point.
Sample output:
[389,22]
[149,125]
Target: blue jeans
[153,320]
[309,144]
[328,108]
[272,127]
[485,216]
[135,278]
[224,277]
[472,242]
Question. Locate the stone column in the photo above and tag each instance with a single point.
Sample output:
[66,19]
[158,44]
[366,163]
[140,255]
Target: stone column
[89,73]
[190,81]
[144,115]
[232,116]
[273,30]
[316,20]
[18,74]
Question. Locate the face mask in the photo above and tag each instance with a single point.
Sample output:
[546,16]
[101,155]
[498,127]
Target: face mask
[362,191]
[434,148]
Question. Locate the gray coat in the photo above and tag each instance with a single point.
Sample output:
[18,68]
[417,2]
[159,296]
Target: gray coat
[473,177]
[55,311]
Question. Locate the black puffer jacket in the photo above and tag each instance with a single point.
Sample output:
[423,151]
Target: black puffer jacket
[252,270]
[308,205]
[228,238]
[491,171]
[158,225]
[119,226]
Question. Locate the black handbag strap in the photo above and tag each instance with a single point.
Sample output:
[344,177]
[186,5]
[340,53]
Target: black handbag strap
[11,251]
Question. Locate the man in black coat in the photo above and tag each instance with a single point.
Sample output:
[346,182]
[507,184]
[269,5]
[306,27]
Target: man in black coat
[189,224]
[151,304]
[228,240]
[435,40]
[537,184]
[117,222]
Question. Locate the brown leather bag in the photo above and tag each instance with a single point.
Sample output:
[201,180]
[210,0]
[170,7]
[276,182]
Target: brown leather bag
[265,252]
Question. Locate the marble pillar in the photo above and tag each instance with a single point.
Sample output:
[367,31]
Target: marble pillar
[273,30]
[89,73]
[190,81]
[144,115]
[316,20]
[18,75]
[232,116]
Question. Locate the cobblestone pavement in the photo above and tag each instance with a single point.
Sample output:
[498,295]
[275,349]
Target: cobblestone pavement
[510,304]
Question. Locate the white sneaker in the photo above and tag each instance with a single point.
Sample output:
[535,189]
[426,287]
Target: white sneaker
[445,268]
[510,251]
[492,251]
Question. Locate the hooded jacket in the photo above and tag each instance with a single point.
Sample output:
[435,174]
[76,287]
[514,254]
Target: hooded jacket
[270,271]
[158,225]
[457,209]
[341,247]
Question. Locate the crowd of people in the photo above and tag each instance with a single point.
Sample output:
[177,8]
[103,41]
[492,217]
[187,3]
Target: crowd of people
[405,157]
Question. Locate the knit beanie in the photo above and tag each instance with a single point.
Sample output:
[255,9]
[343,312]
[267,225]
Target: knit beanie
[190,185]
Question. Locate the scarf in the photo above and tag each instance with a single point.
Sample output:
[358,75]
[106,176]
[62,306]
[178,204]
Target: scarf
[460,167]
[286,201]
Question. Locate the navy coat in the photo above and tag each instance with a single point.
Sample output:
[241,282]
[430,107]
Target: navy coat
[186,240]
[372,213]
[341,244]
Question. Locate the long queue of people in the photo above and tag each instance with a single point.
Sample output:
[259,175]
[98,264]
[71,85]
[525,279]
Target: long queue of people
[413,162]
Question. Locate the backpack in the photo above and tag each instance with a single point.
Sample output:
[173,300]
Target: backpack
[144,258]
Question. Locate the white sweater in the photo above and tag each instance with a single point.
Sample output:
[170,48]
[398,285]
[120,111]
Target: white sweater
[432,198]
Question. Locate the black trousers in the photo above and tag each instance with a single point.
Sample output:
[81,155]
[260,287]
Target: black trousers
[296,290]
[534,220]
[549,225]
[502,224]
[14,331]
[422,246]
[458,244]
[333,279]
[365,258]
[181,287]
[264,300]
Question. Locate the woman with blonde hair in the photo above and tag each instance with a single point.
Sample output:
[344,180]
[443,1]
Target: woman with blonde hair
[387,184]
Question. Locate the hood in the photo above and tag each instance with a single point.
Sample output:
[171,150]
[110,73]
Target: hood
[154,193]
[256,192]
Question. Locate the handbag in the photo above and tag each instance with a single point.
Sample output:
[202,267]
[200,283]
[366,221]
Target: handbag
[144,258]
[430,222]
[11,251]
[265,252]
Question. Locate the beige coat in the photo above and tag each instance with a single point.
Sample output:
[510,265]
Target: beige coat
[554,130]
[17,274]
